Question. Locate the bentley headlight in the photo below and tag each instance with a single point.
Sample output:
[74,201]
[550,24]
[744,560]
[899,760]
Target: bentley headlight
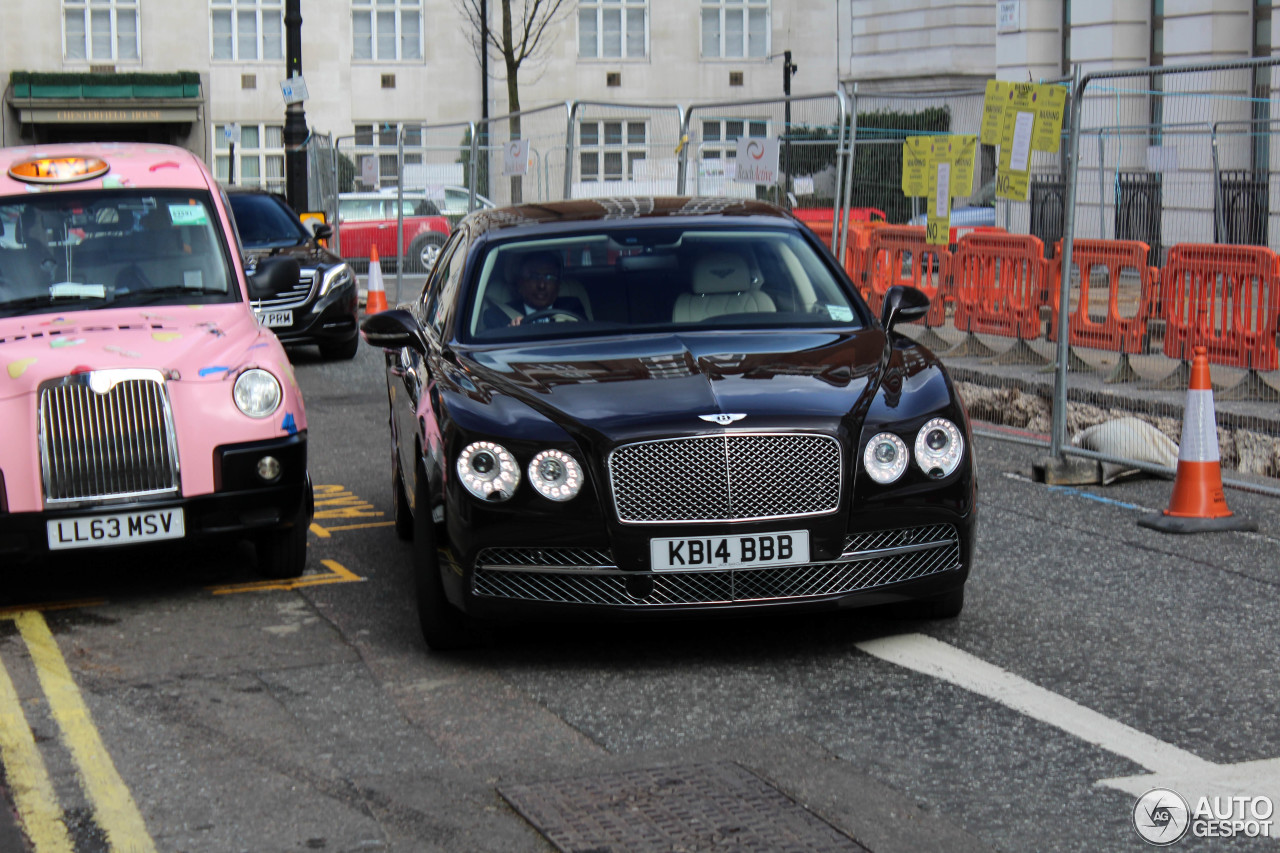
[939,447]
[885,457]
[336,277]
[556,475]
[489,471]
[257,393]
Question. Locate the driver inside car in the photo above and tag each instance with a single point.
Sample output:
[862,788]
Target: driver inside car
[538,289]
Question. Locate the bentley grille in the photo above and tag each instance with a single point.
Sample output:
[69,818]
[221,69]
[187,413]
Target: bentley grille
[107,434]
[727,477]
[580,576]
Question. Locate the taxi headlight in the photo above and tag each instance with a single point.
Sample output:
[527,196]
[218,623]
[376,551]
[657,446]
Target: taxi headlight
[885,457]
[488,471]
[336,277]
[939,446]
[556,475]
[257,393]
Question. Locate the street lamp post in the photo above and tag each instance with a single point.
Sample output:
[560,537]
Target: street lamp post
[788,69]
[295,120]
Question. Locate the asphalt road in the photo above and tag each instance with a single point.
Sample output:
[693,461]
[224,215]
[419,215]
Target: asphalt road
[222,714]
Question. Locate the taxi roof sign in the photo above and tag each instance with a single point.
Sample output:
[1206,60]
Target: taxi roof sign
[58,170]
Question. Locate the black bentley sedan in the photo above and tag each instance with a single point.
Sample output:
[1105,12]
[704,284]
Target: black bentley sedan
[659,406]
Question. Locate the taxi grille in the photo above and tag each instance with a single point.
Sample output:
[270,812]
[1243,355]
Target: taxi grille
[107,434]
[729,477]
[588,577]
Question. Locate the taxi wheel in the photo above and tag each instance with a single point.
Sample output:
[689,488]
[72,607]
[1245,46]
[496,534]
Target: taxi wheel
[283,553]
[400,509]
[443,626]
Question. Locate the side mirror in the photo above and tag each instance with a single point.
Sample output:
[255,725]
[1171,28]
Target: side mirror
[393,329]
[903,304]
[273,276]
[321,230]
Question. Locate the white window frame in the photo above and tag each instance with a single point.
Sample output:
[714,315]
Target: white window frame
[116,12]
[725,145]
[380,139]
[746,48]
[370,20]
[268,30]
[593,17]
[261,146]
[627,148]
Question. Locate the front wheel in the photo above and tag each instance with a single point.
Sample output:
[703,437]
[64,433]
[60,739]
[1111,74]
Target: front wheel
[443,626]
[424,251]
[282,553]
[400,509]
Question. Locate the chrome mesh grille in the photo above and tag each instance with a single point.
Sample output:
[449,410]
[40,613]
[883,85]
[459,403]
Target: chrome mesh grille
[726,477]
[558,559]
[107,434]
[869,560]
[291,298]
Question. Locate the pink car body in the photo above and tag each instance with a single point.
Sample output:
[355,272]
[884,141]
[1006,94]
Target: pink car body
[141,399]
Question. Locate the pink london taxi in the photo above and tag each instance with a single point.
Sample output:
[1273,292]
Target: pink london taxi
[140,400]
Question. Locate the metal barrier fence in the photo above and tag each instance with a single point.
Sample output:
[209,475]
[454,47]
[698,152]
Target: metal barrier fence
[1169,247]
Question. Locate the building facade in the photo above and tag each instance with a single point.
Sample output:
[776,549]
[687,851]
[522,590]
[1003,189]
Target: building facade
[208,74]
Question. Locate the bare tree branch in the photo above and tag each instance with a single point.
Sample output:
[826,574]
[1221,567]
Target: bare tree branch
[522,32]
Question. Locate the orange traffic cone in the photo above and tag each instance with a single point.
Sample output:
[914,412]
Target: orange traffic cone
[1198,504]
[376,300]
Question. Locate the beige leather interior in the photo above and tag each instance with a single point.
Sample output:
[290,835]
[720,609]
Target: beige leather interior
[722,283]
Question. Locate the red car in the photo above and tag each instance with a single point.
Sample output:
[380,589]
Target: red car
[366,220]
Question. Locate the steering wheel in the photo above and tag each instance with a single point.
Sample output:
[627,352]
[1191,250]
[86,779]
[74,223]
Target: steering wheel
[547,313]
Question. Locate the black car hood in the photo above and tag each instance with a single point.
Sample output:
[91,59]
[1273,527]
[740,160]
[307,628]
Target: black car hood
[306,254]
[666,383]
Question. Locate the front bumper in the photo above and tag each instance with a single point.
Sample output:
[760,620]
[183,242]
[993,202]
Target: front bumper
[241,505]
[332,319]
[889,559]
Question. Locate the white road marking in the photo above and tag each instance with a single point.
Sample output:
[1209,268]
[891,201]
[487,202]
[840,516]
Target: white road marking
[1170,766]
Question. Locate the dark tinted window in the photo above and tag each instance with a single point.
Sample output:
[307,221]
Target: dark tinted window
[263,221]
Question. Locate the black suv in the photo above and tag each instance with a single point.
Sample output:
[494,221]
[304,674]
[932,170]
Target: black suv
[324,307]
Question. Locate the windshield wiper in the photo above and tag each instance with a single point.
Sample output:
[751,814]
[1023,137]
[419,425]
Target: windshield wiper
[152,294]
[14,307]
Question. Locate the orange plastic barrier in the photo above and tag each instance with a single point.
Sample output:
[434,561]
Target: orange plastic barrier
[1000,282]
[855,250]
[1125,324]
[899,254]
[1225,299]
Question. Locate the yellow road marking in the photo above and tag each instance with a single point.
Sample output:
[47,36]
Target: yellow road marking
[6,612]
[338,574]
[113,807]
[323,532]
[33,793]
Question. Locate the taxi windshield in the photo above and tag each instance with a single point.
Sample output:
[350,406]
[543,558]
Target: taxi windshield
[85,250]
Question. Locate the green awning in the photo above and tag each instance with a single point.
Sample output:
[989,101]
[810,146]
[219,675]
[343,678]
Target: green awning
[131,86]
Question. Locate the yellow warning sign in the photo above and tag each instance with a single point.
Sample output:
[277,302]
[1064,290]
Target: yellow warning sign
[917,151]
[993,111]
[1021,118]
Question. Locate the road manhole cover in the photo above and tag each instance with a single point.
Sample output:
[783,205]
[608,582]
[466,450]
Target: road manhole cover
[688,808]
